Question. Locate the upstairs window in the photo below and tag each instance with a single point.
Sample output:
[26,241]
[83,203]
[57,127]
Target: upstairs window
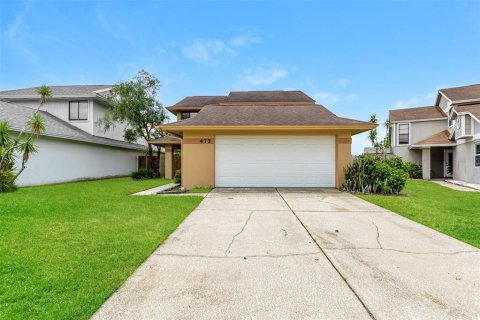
[477,155]
[186,115]
[403,133]
[78,110]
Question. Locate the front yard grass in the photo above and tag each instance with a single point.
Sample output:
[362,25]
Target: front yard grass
[66,248]
[456,213]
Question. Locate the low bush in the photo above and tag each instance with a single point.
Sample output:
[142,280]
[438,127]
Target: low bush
[375,174]
[414,170]
[178,176]
[142,174]
[6,181]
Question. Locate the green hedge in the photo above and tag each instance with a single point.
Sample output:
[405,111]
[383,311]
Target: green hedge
[375,174]
[142,174]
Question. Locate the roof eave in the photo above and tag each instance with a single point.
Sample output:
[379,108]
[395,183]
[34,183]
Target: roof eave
[426,146]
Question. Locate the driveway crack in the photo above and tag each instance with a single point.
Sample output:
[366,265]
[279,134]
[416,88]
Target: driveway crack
[378,234]
[238,233]
[404,251]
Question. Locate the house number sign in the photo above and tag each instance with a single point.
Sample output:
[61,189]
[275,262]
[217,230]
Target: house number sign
[205,140]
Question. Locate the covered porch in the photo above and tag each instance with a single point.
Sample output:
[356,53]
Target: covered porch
[437,156]
[173,158]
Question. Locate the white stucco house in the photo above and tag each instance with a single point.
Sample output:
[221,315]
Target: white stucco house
[73,147]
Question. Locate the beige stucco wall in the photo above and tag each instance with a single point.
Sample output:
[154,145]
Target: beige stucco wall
[463,163]
[198,159]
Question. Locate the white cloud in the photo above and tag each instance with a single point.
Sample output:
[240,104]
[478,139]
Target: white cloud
[12,28]
[210,51]
[263,75]
[244,40]
[343,82]
[323,97]
[418,101]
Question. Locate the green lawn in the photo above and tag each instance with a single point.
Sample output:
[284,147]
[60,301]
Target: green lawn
[456,213]
[66,248]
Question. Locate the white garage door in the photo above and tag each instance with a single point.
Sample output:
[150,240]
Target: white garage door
[275,161]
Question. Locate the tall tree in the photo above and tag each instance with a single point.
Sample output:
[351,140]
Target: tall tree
[135,103]
[22,144]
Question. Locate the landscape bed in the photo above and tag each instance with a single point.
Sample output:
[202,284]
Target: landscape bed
[66,248]
[455,213]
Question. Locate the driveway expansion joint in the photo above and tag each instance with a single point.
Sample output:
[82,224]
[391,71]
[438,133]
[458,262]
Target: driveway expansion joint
[239,257]
[328,258]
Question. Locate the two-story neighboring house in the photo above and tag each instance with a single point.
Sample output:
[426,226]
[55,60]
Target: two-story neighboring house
[443,138]
[73,146]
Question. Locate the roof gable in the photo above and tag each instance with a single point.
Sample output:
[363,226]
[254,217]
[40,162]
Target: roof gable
[471,92]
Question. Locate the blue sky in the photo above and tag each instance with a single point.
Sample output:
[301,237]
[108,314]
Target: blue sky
[356,58]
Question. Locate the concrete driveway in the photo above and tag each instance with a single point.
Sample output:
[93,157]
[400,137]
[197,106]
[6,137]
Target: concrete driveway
[291,254]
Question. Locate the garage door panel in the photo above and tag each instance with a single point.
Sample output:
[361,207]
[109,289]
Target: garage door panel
[268,161]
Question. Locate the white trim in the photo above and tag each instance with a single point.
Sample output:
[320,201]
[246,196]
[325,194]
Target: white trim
[426,146]
[420,120]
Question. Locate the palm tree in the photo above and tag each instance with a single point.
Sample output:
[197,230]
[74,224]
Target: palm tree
[387,125]
[372,134]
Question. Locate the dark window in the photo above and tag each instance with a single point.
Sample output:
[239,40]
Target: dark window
[186,115]
[78,110]
[477,155]
[403,133]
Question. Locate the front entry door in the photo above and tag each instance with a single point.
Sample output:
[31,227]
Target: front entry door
[448,163]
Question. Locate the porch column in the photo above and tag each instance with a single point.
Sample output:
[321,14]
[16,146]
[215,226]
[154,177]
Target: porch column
[426,164]
[168,162]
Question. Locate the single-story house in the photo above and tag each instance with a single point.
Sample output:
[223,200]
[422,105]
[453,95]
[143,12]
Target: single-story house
[73,147]
[259,139]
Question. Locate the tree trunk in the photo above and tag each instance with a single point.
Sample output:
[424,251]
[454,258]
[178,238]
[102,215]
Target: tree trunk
[150,157]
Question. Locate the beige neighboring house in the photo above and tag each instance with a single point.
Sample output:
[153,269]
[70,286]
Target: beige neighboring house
[443,138]
[259,139]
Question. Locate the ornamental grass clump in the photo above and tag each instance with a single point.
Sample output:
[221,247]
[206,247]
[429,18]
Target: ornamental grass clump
[375,174]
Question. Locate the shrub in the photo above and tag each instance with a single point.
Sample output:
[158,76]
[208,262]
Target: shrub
[414,170]
[178,176]
[374,174]
[6,181]
[142,174]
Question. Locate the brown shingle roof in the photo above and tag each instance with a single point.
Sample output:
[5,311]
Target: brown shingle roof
[268,97]
[261,115]
[472,108]
[420,113]
[196,102]
[440,138]
[462,93]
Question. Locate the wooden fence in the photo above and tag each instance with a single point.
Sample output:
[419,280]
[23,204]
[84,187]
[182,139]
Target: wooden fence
[158,166]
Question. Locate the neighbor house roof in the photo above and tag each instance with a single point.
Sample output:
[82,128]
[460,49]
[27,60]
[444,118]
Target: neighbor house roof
[270,97]
[420,113]
[261,115]
[17,115]
[58,91]
[440,138]
[472,108]
[471,92]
